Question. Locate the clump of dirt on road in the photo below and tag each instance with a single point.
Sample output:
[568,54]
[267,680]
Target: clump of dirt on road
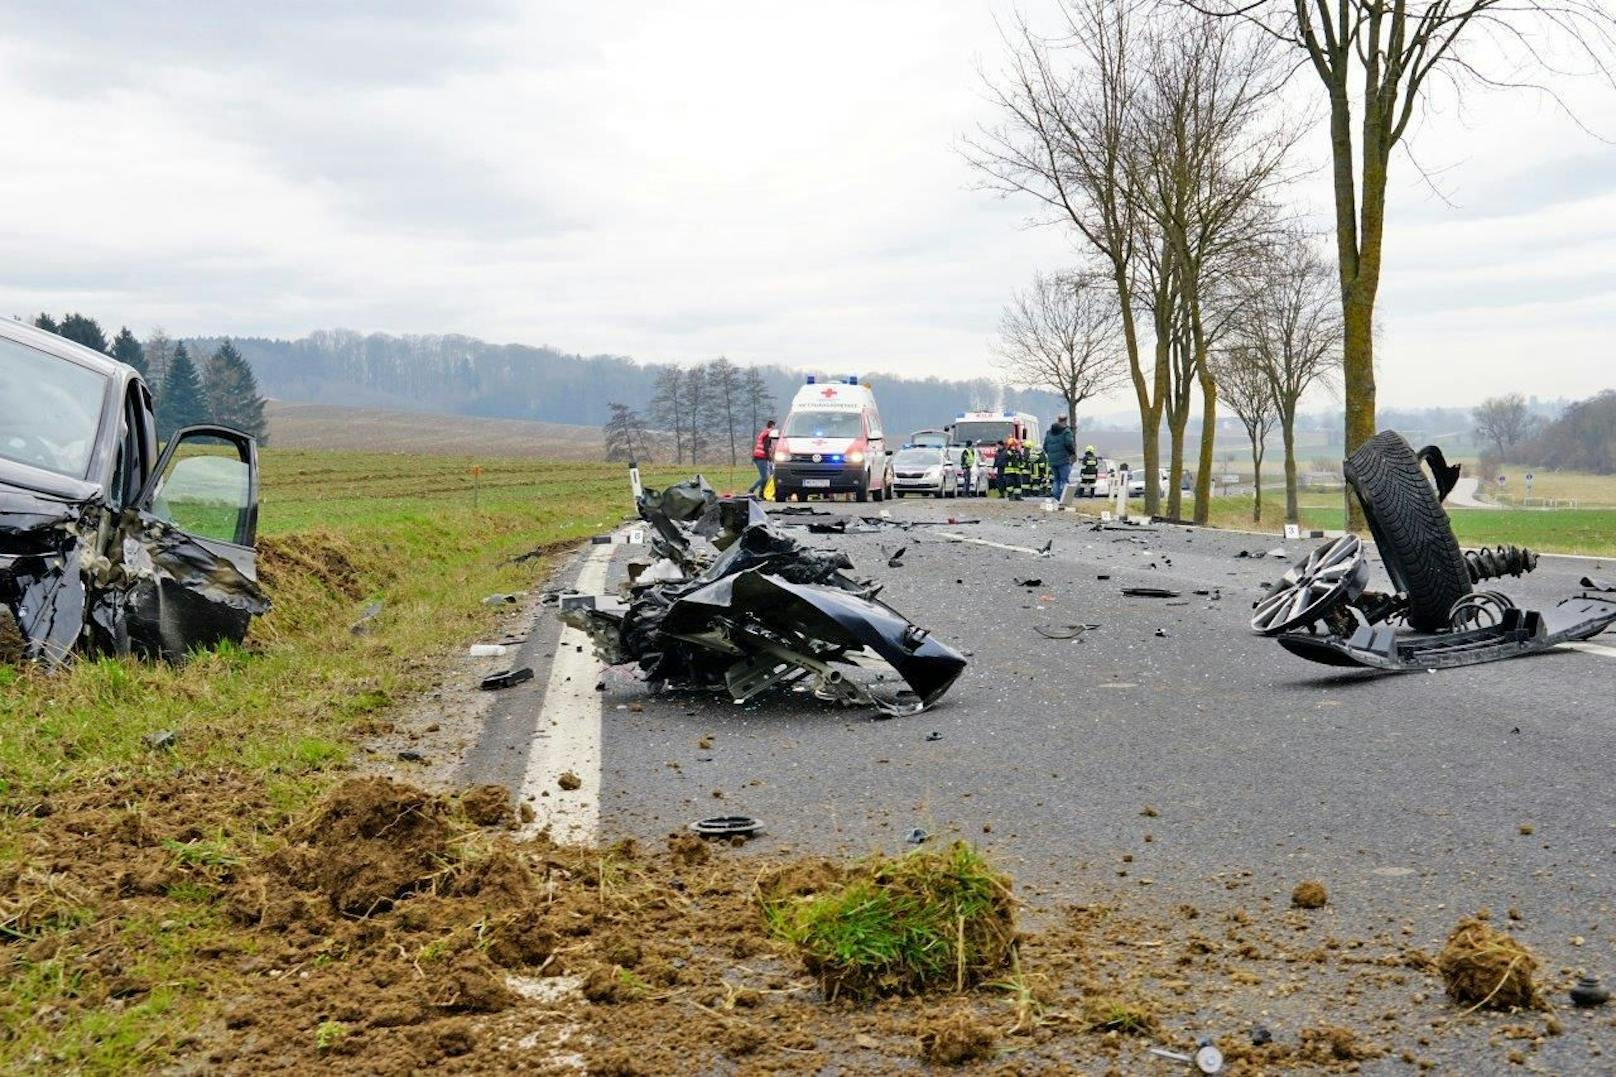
[488,805]
[956,1037]
[1310,894]
[903,925]
[1484,967]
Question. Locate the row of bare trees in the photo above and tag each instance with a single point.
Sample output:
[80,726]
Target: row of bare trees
[712,410]
[1159,134]
[1162,143]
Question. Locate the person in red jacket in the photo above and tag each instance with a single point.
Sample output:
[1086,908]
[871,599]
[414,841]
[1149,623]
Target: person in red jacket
[762,455]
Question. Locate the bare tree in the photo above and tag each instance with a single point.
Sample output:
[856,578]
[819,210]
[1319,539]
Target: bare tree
[1243,384]
[722,404]
[757,398]
[1293,328]
[1062,335]
[1065,106]
[1379,58]
[668,407]
[1210,140]
[1504,421]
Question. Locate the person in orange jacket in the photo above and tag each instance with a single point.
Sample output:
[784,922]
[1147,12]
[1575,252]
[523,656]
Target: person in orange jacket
[762,454]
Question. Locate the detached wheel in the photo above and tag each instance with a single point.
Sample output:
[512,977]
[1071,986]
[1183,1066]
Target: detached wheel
[1411,530]
[1324,581]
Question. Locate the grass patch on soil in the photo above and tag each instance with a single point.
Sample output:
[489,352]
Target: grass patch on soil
[262,729]
[902,925]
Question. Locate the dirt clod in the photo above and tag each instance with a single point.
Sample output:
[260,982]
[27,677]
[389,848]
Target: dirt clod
[1310,894]
[569,781]
[1485,967]
[488,805]
[956,1038]
[369,843]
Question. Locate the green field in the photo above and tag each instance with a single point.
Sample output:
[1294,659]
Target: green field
[281,715]
[1590,531]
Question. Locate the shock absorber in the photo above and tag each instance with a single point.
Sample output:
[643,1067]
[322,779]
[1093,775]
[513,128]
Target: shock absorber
[1495,562]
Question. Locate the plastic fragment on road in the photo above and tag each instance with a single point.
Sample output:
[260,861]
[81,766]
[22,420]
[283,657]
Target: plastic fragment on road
[1150,592]
[506,679]
[727,826]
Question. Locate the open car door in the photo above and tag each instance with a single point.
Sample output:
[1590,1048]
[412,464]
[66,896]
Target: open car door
[188,546]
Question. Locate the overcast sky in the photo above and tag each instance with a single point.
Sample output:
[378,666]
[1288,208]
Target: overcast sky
[778,182]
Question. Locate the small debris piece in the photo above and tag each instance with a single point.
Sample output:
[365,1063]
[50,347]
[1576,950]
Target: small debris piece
[487,650]
[727,826]
[368,614]
[1260,1036]
[502,599]
[1588,991]
[934,735]
[1028,581]
[1482,966]
[1527,828]
[705,742]
[916,836]
[1310,894]
[506,679]
[569,781]
[1161,633]
[1071,631]
[1149,592]
[410,755]
[161,740]
[1149,812]
[1279,552]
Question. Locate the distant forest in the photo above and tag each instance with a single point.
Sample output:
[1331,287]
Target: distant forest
[466,376]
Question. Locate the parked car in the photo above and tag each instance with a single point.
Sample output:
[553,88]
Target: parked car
[107,545]
[928,470]
[1136,483]
[926,439]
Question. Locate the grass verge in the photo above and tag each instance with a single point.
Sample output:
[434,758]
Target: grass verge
[265,727]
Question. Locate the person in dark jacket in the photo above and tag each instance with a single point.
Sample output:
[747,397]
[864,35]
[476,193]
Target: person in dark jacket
[1001,461]
[1060,448]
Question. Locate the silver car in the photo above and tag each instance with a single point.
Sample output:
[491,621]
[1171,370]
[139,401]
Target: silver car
[925,470]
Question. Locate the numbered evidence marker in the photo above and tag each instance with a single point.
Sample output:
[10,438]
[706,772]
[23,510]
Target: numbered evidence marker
[1293,531]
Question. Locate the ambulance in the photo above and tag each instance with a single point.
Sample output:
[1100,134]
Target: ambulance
[832,443]
[985,429]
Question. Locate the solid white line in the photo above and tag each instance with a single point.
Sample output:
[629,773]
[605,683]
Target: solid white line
[1592,648]
[568,733]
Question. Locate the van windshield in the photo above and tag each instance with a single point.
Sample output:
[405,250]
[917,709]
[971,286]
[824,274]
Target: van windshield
[823,424]
[50,410]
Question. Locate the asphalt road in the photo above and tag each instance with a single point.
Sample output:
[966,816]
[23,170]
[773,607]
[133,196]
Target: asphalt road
[1405,794]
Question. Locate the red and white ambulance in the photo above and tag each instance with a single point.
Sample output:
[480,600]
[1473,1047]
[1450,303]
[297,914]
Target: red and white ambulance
[832,443]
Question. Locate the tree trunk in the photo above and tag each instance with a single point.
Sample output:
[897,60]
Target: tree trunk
[1256,481]
[1071,414]
[1175,466]
[1209,433]
[1292,513]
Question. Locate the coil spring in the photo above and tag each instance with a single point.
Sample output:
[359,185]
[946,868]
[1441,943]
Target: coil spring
[1479,609]
[1494,562]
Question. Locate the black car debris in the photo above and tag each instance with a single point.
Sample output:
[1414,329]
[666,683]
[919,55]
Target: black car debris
[1324,611]
[752,610]
[106,545]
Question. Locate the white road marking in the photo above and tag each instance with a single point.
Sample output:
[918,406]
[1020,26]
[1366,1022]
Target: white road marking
[1592,648]
[568,733]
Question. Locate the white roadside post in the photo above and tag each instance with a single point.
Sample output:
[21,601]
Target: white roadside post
[1122,493]
[634,481]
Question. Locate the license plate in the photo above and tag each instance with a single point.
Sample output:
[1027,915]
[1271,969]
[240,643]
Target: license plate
[816,482]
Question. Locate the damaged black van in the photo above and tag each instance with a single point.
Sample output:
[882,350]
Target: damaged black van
[106,545]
